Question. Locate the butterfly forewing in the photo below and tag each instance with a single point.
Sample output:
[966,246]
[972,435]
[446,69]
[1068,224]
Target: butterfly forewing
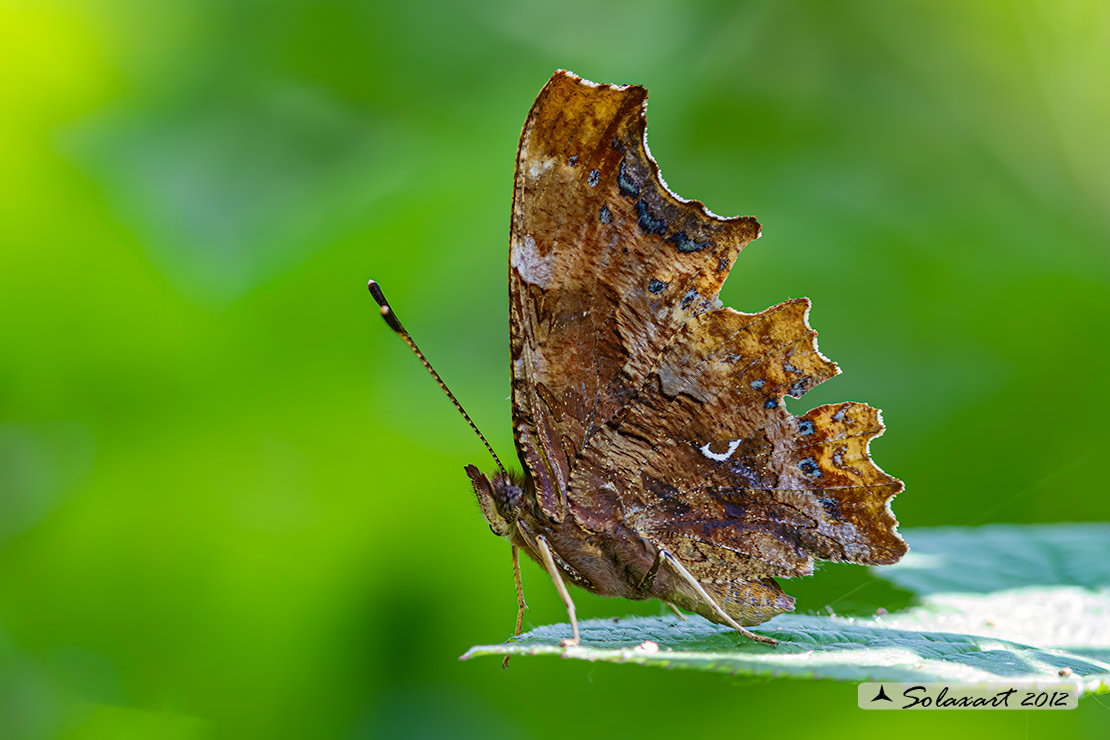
[606,266]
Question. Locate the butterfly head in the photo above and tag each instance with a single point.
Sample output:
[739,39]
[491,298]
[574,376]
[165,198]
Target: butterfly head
[499,495]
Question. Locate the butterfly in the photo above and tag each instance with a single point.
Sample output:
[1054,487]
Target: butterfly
[658,458]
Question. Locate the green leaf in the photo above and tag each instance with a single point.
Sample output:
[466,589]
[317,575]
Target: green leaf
[1015,604]
[1001,557]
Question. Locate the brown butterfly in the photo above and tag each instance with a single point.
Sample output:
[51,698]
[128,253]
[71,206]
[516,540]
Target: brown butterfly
[659,460]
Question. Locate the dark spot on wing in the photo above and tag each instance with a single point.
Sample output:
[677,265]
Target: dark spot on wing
[832,508]
[647,221]
[809,467]
[805,426]
[689,298]
[573,160]
[685,244]
[594,177]
[606,215]
[625,183]
[656,286]
[772,403]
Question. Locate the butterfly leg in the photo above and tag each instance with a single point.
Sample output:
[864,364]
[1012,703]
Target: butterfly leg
[553,570]
[680,569]
[677,613]
[520,605]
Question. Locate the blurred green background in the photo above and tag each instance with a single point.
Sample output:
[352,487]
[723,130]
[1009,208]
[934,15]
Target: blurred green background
[232,504]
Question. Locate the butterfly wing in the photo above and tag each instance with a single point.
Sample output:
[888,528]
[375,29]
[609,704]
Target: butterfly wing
[606,265]
[640,403]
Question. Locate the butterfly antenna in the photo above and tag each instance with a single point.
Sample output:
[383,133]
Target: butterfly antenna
[395,325]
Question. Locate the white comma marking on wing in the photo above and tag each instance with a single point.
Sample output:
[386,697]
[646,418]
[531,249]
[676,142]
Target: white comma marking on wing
[720,456]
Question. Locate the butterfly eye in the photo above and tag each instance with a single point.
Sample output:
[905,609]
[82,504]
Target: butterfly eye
[506,497]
